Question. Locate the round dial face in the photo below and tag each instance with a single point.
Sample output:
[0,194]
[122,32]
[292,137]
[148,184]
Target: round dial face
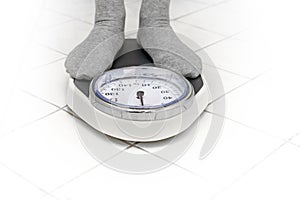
[141,92]
[136,90]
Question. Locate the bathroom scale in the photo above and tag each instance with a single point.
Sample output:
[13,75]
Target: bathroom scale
[136,101]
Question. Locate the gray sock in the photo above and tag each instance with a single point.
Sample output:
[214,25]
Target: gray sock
[96,53]
[157,37]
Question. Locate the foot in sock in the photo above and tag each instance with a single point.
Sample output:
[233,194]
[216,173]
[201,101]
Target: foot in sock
[96,53]
[157,37]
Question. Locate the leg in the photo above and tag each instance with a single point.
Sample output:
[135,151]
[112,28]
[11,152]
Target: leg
[96,53]
[157,37]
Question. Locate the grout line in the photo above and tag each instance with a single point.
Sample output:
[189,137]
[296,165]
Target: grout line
[70,16]
[218,41]
[53,49]
[44,100]
[38,119]
[34,121]
[29,123]
[265,158]
[230,91]
[225,70]
[49,195]
[129,143]
[26,180]
[294,136]
[236,88]
[89,170]
[247,126]
[208,6]
[170,162]
[43,65]
[291,143]
[235,181]
[116,154]
[201,28]
[70,112]
[74,178]
[53,26]
[64,107]
[250,127]
[192,12]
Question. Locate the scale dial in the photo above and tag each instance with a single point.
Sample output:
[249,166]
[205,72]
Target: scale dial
[133,91]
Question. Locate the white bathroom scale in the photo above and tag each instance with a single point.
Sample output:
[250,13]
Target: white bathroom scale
[136,101]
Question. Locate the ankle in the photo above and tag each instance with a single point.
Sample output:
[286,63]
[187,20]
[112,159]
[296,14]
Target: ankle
[154,22]
[114,25]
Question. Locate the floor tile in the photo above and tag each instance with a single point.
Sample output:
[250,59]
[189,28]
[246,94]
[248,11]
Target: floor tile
[14,187]
[174,148]
[268,103]
[237,150]
[210,2]
[247,35]
[64,37]
[219,19]
[100,146]
[78,9]
[194,37]
[131,1]
[49,19]
[238,57]
[22,110]
[48,82]
[229,80]
[232,156]
[169,183]
[180,8]
[48,197]
[276,178]
[132,16]
[37,55]
[48,153]
[249,11]
[296,140]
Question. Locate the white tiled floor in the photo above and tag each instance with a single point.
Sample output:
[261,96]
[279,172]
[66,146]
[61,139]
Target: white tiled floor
[219,19]
[44,156]
[276,178]
[260,96]
[13,186]
[72,33]
[102,183]
[49,19]
[48,152]
[38,56]
[48,82]
[296,140]
[20,115]
[237,56]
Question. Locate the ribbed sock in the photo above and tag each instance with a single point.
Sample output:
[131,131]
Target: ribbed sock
[158,38]
[96,53]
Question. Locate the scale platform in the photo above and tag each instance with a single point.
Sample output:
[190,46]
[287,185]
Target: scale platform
[131,54]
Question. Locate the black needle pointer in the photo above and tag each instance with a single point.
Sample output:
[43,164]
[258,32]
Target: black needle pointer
[140,95]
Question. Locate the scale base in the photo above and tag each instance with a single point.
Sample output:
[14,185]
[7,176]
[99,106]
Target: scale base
[140,131]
